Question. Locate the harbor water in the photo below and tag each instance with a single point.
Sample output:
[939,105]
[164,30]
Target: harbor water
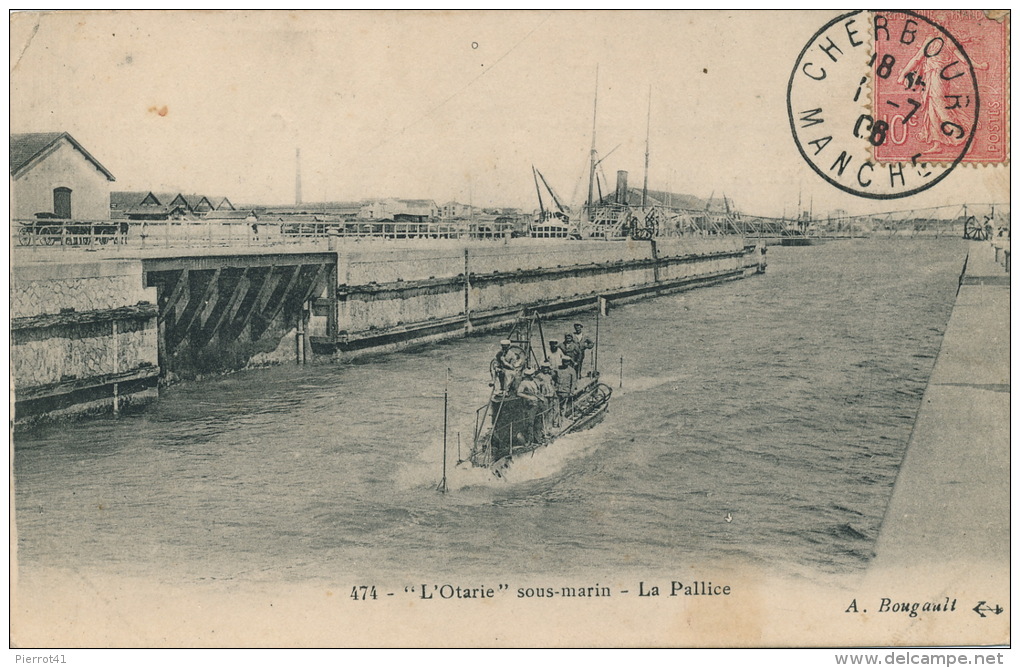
[762,420]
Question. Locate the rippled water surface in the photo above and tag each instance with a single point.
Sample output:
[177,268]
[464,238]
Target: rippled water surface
[784,400]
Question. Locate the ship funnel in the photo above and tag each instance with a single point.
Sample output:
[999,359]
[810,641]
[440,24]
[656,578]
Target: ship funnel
[621,187]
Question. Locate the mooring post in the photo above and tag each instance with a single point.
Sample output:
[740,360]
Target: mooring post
[306,316]
[116,368]
[467,291]
[299,336]
[446,401]
[655,259]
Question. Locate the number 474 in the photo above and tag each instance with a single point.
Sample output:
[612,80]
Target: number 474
[363,593]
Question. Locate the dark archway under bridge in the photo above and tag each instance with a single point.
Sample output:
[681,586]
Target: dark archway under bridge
[218,313]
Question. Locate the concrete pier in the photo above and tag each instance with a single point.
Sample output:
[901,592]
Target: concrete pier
[950,506]
[944,542]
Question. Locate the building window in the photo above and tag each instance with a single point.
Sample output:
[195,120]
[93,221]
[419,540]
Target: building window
[62,202]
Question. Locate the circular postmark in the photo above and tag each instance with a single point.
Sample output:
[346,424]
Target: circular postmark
[904,62]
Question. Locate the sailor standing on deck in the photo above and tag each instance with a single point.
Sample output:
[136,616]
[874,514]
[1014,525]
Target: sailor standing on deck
[505,365]
[555,355]
[528,390]
[583,342]
[566,379]
[571,350]
[547,390]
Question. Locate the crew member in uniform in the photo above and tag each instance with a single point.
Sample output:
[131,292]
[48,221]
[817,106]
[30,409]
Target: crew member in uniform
[566,379]
[528,390]
[583,342]
[571,350]
[547,390]
[505,366]
[555,354]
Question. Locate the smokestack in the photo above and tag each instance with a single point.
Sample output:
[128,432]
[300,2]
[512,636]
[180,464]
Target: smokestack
[297,180]
[621,187]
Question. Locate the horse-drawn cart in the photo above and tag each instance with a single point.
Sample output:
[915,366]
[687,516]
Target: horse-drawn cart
[48,231]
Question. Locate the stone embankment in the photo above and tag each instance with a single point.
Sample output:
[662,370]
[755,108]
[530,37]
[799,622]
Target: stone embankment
[89,335]
[392,296]
[83,338]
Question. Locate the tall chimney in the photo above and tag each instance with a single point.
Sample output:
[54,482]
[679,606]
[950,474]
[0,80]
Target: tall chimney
[297,180]
[621,187]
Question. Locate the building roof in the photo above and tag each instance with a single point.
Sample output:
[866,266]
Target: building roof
[194,201]
[165,198]
[664,198]
[123,200]
[26,147]
[162,210]
[327,206]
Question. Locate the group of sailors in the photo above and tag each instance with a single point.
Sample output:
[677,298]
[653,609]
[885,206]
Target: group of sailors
[548,389]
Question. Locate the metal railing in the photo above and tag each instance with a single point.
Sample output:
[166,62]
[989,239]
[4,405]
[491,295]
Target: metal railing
[617,221]
[118,234]
[559,407]
[611,222]
[946,220]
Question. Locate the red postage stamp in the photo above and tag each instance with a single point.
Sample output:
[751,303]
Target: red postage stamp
[941,87]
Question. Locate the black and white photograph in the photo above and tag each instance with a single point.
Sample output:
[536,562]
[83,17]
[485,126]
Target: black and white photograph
[511,329]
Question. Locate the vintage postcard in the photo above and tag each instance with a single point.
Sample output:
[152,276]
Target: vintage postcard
[511,329]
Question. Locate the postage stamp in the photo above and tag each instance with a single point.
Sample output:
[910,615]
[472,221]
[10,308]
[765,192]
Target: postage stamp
[941,87]
[831,117]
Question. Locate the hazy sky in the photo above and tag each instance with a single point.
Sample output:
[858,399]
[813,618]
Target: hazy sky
[433,105]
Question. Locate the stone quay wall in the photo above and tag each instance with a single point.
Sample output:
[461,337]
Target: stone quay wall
[395,294]
[85,335]
[83,338]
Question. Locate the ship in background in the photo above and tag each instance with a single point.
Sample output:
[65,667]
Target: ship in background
[801,231]
[629,213]
[550,223]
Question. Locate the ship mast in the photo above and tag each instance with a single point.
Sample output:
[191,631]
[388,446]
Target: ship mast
[800,213]
[552,193]
[541,206]
[591,169]
[648,131]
